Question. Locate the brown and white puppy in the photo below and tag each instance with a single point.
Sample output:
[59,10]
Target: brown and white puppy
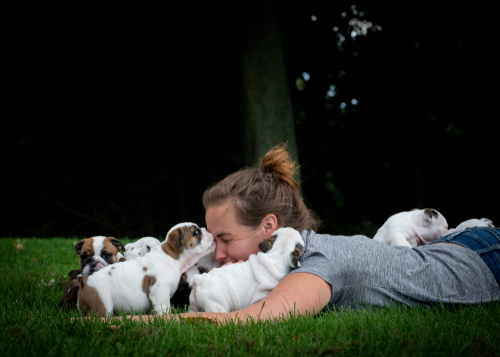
[149,281]
[237,286]
[93,254]
[98,252]
[413,228]
[70,296]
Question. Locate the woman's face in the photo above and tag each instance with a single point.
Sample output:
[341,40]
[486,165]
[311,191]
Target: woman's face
[234,241]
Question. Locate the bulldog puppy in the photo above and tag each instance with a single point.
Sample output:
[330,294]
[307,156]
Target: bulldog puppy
[181,297]
[98,252]
[413,228]
[236,286]
[140,247]
[483,222]
[94,253]
[149,281]
[70,293]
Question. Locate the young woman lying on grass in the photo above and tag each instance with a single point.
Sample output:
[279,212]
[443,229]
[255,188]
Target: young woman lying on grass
[246,208]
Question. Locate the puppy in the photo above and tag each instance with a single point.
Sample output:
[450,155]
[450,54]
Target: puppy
[149,281]
[93,254]
[483,222]
[98,252]
[70,296]
[181,296]
[414,228]
[140,247]
[236,286]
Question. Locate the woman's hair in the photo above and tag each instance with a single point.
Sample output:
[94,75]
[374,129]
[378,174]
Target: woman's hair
[268,188]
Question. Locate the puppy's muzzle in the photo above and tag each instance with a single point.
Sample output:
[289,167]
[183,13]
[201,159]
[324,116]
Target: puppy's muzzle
[91,265]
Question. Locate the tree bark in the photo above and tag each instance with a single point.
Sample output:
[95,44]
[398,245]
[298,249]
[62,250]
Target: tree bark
[266,114]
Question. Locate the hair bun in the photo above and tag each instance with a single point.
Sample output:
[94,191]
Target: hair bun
[278,162]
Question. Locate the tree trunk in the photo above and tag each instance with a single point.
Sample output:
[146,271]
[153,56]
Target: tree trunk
[266,114]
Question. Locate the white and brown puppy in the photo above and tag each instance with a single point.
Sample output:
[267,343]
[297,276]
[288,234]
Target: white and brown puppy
[236,286]
[146,282]
[413,228]
[93,254]
[98,252]
[140,247]
[483,222]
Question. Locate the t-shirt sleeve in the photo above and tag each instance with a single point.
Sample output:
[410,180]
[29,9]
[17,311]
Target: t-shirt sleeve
[316,264]
[313,260]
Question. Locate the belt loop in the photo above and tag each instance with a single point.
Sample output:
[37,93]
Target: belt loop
[453,235]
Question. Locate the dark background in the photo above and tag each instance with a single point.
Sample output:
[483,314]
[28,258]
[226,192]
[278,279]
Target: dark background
[122,117]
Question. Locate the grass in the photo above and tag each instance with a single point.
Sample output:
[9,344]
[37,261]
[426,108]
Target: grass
[31,323]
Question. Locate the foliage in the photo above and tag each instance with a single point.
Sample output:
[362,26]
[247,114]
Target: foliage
[127,116]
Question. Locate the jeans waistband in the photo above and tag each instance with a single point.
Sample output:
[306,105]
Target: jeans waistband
[485,241]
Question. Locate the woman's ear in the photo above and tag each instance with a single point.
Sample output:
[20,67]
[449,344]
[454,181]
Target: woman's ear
[270,224]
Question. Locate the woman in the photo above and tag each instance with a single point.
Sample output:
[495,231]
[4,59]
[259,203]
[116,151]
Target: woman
[246,208]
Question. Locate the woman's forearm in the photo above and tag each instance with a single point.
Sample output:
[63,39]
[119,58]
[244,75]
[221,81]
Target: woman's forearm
[296,294]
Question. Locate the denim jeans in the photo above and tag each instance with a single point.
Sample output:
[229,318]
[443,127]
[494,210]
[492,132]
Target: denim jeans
[485,241]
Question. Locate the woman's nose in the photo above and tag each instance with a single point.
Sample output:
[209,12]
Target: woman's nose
[219,255]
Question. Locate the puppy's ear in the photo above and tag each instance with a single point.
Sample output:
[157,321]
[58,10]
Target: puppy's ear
[119,245]
[267,245]
[489,222]
[430,213]
[78,247]
[296,255]
[173,244]
[74,273]
[183,280]
[179,242]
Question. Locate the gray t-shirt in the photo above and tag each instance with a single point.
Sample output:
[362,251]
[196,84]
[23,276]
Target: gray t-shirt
[365,272]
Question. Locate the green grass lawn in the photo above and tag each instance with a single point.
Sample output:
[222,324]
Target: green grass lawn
[32,324]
